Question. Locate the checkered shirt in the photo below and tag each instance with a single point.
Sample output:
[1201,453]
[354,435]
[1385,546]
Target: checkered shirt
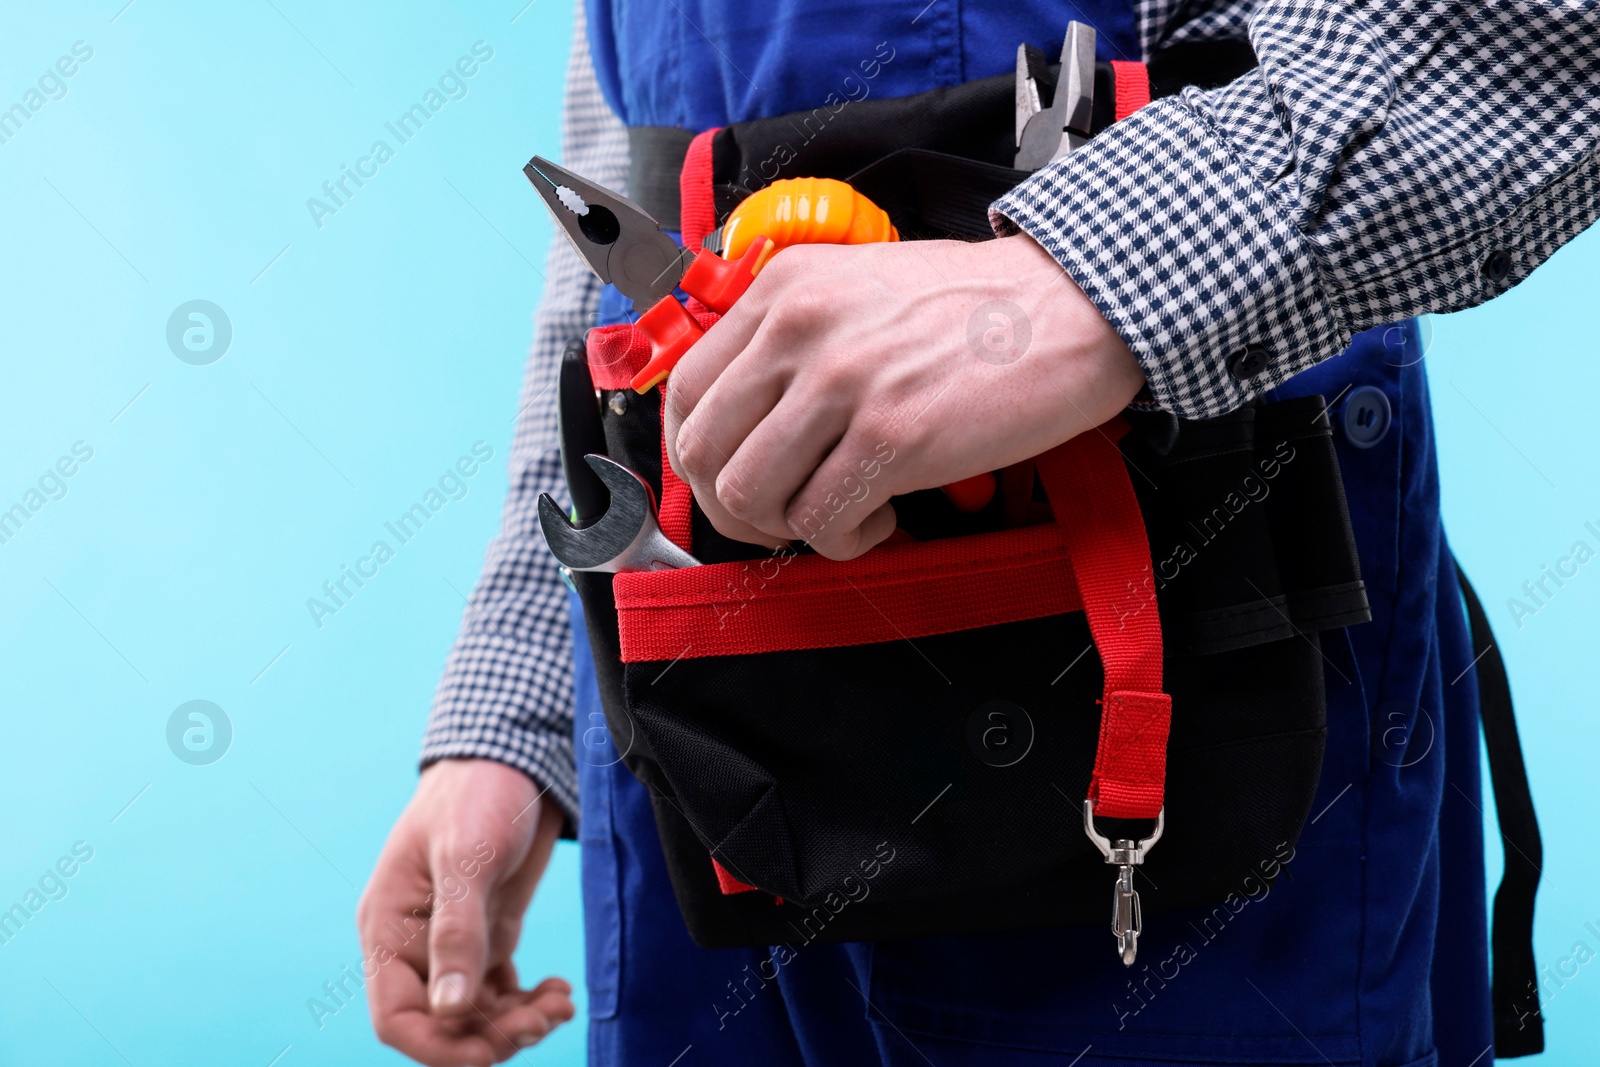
[506,693]
[1387,158]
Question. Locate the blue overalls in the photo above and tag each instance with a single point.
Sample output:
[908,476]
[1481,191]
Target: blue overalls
[1370,949]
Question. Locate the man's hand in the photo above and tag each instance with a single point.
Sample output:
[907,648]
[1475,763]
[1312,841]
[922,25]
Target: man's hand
[948,358]
[443,912]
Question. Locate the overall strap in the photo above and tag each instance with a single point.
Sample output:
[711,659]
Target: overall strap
[1518,1024]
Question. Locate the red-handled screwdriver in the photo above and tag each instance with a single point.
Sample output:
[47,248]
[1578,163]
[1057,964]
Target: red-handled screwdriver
[710,279]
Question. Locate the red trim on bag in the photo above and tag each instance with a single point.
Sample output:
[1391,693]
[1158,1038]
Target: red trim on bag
[617,353]
[728,883]
[788,602]
[697,201]
[1132,86]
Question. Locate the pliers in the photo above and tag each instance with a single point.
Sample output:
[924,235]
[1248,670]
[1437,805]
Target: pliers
[624,246]
[1043,133]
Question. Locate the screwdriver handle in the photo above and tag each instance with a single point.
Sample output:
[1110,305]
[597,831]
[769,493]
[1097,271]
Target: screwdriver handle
[717,283]
[671,331]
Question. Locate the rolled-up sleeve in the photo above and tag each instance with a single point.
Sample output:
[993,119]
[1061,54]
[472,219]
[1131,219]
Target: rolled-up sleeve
[1383,160]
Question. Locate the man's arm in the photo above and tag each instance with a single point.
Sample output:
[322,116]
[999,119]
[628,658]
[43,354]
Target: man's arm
[506,693]
[472,845]
[1385,159]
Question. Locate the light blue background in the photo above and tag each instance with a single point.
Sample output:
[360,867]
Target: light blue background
[367,356]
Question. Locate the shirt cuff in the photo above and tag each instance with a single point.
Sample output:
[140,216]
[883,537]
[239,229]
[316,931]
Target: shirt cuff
[479,713]
[1187,256]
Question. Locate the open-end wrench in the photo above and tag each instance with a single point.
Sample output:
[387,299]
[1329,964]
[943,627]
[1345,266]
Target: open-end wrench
[625,538]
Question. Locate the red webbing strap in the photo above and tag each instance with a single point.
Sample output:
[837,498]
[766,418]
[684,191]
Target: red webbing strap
[1133,86]
[787,602]
[617,353]
[699,217]
[676,500]
[698,212]
[696,199]
[1095,507]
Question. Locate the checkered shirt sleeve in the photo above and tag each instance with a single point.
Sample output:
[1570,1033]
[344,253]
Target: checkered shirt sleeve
[507,691]
[1384,160]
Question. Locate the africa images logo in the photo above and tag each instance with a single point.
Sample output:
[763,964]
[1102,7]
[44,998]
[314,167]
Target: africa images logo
[199,733]
[199,332]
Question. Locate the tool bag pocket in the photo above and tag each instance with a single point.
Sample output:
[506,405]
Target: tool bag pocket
[900,745]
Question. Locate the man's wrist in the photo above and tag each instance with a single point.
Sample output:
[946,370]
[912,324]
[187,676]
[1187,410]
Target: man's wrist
[548,766]
[1083,356]
[1186,255]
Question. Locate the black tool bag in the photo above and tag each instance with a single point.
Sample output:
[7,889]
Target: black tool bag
[932,784]
[905,741]
[902,744]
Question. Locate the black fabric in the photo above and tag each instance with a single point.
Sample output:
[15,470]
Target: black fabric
[795,768]
[932,196]
[655,159]
[1250,536]
[581,433]
[852,754]
[960,140]
[1202,64]
[1518,1023]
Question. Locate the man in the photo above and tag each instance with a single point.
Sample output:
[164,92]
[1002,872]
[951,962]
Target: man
[1383,160]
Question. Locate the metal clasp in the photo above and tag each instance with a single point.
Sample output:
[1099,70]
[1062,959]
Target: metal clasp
[1127,922]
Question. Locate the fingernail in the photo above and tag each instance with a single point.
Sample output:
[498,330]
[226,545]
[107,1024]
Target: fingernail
[529,1040]
[450,991]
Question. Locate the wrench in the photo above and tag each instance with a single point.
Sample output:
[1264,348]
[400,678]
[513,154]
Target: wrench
[625,538]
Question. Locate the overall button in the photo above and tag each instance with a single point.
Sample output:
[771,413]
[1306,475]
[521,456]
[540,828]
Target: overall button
[1367,416]
[1497,266]
[1247,361]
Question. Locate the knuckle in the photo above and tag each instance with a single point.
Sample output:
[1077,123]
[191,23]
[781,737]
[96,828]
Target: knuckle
[834,373]
[696,454]
[802,306]
[881,420]
[809,520]
[453,934]
[679,401]
[737,497]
